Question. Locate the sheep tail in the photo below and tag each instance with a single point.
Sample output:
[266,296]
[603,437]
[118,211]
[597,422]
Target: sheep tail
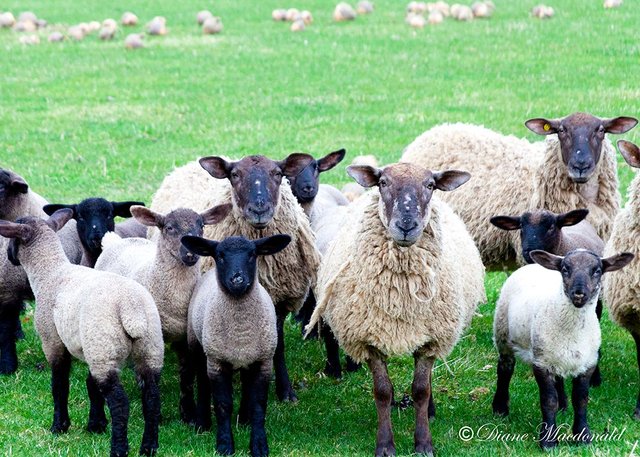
[133,319]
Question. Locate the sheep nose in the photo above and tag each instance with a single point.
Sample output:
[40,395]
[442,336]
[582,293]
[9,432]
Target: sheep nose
[406,226]
[307,189]
[578,295]
[237,279]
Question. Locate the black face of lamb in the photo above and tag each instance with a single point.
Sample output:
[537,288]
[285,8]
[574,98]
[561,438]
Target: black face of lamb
[581,274]
[306,183]
[236,265]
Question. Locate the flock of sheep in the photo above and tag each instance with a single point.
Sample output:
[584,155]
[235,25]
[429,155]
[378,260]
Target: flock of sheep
[228,249]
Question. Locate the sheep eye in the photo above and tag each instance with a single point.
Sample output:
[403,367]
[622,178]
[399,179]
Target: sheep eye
[431,186]
[561,129]
[597,272]
[382,183]
[565,271]
[234,175]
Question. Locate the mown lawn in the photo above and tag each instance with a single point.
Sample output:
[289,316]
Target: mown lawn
[92,119]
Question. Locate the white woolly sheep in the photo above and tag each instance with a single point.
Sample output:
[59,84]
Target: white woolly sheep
[428,279]
[435,17]
[542,12]
[575,167]
[364,7]
[546,315]
[417,7]
[262,206]
[97,317]
[293,14]
[7,20]
[620,291]
[202,16]
[306,16]
[344,12]
[56,37]
[297,26]
[212,26]
[169,272]
[107,33]
[461,12]
[129,19]
[92,26]
[27,16]
[76,32]
[25,26]
[134,41]
[232,325]
[157,26]
[416,21]
[279,15]
[482,9]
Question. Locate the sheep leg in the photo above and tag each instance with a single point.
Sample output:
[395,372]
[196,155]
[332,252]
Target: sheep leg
[258,376]
[284,390]
[352,365]
[148,381]
[332,367]
[579,400]
[9,329]
[203,406]
[383,394]
[421,393]
[187,378]
[118,404]
[548,405]
[506,364]
[636,338]
[245,399]
[97,419]
[60,369]
[432,405]
[596,377]
[220,376]
[562,395]
[304,315]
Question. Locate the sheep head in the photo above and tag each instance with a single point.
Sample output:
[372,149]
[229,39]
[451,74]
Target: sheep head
[581,136]
[256,183]
[405,195]
[11,185]
[306,182]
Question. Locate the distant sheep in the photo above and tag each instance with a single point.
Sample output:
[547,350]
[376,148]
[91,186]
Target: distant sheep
[134,41]
[612,3]
[212,26]
[157,26]
[129,19]
[344,12]
[542,12]
[279,15]
[7,20]
[56,37]
[575,167]
[364,7]
[202,16]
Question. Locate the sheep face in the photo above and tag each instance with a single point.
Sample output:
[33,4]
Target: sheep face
[178,223]
[581,271]
[27,229]
[405,195]
[539,230]
[95,217]
[256,183]
[306,183]
[10,185]
[581,137]
[236,258]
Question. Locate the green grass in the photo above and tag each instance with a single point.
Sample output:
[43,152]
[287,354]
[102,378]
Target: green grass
[92,119]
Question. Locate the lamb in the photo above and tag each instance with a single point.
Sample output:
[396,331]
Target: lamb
[262,206]
[230,304]
[575,168]
[94,218]
[170,272]
[620,291]
[17,199]
[98,317]
[404,276]
[546,315]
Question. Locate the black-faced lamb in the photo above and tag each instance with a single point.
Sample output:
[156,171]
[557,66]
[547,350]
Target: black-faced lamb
[262,205]
[575,167]
[170,272]
[232,325]
[404,276]
[546,316]
[97,317]
[94,218]
[620,291]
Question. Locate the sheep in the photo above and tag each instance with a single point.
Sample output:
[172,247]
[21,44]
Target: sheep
[417,7]
[212,26]
[404,276]
[94,218]
[167,270]
[7,20]
[27,16]
[364,7]
[416,21]
[262,205]
[230,304]
[461,12]
[56,37]
[134,41]
[574,168]
[482,9]
[129,19]
[25,26]
[344,12]
[546,315]
[94,26]
[297,25]
[107,33]
[435,17]
[157,26]
[612,3]
[76,32]
[306,17]
[279,15]
[542,12]
[293,14]
[98,317]
[17,199]
[620,291]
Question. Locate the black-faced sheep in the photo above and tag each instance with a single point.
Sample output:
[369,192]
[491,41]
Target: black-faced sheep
[402,277]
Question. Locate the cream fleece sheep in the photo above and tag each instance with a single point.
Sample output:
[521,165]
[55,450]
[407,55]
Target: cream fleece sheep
[424,295]
[511,176]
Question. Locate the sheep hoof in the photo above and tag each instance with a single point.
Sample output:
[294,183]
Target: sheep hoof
[500,408]
[333,371]
[386,450]
[287,395]
[548,445]
[148,449]
[259,447]
[596,378]
[97,426]
[424,449]
[8,368]
[59,427]
[582,436]
[225,449]
[636,414]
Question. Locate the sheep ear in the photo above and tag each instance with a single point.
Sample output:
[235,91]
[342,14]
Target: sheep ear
[14,230]
[571,218]
[216,166]
[216,214]
[615,262]
[271,244]
[199,246]
[50,209]
[123,209]
[630,152]
[618,125]
[543,126]
[547,260]
[58,219]
[295,163]
[507,222]
[17,184]
[331,160]
[365,175]
[450,179]
[147,217]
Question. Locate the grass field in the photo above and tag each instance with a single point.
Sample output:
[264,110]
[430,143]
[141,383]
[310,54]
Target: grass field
[92,119]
